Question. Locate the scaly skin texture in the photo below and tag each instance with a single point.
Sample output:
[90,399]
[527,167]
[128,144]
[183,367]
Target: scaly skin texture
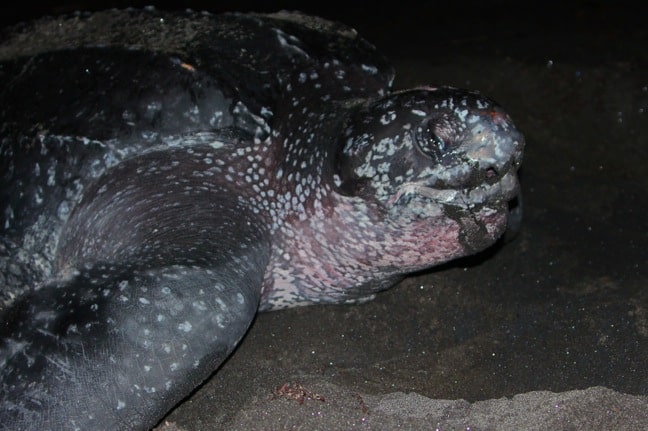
[164,177]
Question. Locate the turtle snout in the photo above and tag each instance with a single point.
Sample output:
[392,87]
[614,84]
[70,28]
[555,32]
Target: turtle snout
[494,146]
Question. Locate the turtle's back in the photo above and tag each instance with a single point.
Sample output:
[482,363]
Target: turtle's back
[126,81]
[84,65]
[85,92]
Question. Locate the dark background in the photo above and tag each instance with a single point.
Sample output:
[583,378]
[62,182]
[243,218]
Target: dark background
[479,27]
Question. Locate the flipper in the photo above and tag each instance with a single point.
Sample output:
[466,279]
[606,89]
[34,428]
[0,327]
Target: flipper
[155,289]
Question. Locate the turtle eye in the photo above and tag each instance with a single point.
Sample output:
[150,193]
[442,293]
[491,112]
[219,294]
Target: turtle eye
[430,144]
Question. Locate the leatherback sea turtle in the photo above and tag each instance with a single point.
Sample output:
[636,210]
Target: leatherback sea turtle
[165,176]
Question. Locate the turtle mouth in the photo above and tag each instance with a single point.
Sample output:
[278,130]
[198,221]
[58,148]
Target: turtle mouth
[488,193]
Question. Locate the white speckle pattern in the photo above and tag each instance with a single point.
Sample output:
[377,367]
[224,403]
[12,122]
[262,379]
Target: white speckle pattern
[210,166]
[411,180]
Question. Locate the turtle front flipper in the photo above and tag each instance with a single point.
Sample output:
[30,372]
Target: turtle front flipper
[156,287]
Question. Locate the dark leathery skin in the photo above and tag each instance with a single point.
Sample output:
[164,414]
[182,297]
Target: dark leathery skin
[163,177]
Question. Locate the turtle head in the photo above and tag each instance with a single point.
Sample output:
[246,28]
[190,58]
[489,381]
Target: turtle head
[435,153]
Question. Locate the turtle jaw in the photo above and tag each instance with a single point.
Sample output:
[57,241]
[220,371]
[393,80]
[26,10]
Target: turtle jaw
[480,214]
[486,194]
[493,207]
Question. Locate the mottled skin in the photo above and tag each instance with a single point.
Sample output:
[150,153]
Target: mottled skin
[164,177]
